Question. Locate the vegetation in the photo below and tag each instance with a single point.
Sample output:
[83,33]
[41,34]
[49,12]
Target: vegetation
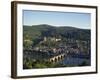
[42,64]
[48,38]
[37,31]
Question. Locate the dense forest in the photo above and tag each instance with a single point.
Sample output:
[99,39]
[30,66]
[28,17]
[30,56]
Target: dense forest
[36,31]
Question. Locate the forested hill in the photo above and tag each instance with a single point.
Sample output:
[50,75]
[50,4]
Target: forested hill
[36,31]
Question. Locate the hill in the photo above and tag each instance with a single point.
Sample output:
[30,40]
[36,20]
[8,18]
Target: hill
[36,31]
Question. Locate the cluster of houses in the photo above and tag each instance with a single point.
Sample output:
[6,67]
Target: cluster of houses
[69,48]
[52,39]
[62,47]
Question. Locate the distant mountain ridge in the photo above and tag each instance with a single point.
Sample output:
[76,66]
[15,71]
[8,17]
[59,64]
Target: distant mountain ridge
[41,30]
[47,25]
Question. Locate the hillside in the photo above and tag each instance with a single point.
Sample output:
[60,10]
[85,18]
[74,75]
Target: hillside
[36,31]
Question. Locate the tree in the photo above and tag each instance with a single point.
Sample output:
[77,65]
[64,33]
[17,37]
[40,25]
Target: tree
[27,43]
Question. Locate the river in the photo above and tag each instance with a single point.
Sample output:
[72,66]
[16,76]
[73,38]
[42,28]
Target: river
[75,61]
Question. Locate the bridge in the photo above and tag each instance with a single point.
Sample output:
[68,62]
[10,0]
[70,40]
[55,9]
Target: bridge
[57,58]
[40,55]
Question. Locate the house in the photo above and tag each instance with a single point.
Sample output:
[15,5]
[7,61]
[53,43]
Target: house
[58,39]
[45,38]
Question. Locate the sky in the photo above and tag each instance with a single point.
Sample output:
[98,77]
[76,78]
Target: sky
[78,20]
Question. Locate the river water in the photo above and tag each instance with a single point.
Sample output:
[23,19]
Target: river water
[75,61]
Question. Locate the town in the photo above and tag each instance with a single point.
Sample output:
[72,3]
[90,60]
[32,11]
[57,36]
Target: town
[55,49]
